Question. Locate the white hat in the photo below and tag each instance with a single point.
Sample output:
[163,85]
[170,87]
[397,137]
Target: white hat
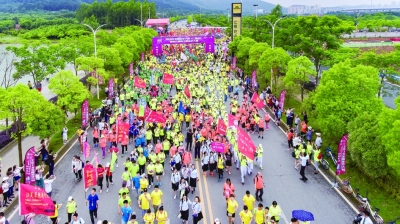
[70,198]
[217,221]
[318,134]
[5,178]
[309,127]
[260,145]
[108,164]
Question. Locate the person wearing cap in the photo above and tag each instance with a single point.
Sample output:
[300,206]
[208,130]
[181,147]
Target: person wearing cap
[259,153]
[318,140]
[70,207]
[144,183]
[5,186]
[144,201]
[216,221]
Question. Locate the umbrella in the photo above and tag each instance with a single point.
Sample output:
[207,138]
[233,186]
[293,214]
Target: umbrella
[302,215]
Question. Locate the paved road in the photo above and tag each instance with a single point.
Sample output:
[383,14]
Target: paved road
[372,34]
[282,185]
[391,92]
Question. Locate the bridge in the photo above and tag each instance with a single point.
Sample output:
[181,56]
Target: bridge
[370,10]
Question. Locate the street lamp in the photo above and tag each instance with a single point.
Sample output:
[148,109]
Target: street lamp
[94,31]
[255,8]
[141,21]
[228,15]
[273,38]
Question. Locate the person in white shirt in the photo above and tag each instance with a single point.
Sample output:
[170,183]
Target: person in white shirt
[47,184]
[196,208]
[184,209]
[193,177]
[175,178]
[76,219]
[303,159]
[2,218]
[365,218]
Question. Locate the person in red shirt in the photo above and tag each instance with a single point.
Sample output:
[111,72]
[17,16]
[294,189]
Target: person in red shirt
[290,135]
[100,173]
[95,134]
[108,175]
[124,143]
[261,128]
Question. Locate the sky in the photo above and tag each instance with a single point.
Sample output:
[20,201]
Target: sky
[331,3]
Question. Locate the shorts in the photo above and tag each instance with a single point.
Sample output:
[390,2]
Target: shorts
[95,140]
[260,129]
[233,215]
[16,178]
[159,173]
[175,186]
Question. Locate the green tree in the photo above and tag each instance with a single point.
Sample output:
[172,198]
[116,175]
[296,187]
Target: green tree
[243,53]
[31,113]
[273,63]
[340,55]
[277,11]
[299,71]
[255,53]
[389,129]
[112,60]
[37,60]
[69,90]
[345,91]
[72,48]
[365,144]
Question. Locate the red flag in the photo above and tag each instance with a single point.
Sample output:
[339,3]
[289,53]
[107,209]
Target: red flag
[89,177]
[34,199]
[232,121]
[140,83]
[156,117]
[168,79]
[245,144]
[187,91]
[221,127]
[256,99]
[123,129]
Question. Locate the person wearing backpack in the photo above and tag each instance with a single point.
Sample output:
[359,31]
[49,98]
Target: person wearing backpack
[76,219]
[317,158]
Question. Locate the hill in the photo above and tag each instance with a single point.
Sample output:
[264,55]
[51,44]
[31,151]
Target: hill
[223,5]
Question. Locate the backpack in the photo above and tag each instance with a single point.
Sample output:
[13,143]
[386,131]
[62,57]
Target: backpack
[319,155]
[83,164]
[293,154]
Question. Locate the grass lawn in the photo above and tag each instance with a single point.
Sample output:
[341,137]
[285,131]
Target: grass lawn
[74,124]
[387,203]
[8,39]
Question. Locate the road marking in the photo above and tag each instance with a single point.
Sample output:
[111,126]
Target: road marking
[208,200]
[201,191]
[327,179]
[15,210]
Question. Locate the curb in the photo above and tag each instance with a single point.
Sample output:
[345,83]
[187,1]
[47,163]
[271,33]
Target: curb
[61,153]
[283,126]
[7,147]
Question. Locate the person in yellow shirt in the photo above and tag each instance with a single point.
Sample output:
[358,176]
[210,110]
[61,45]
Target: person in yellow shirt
[70,207]
[156,198]
[144,201]
[149,217]
[259,214]
[232,206]
[246,215]
[249,200]
[275,211]
[121,201]
[161,216]
[55,216]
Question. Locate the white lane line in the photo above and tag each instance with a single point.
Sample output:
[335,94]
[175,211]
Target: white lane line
[328,180]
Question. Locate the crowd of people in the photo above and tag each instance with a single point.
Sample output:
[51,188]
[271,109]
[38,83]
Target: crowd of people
[191,108]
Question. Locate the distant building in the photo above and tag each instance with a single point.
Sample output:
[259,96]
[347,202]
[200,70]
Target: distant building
[326,10]
[304,9]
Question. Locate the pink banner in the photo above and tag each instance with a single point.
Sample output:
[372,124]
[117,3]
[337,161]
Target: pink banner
[254,78]
[221,127]
[168,79]
[256,99]
[110,88]
[89,177]
[155,117]
[142,57]
[34,199]
[30,166]
[232,121]
[341,160]
[86,150]
[131,68]
[282,100]
[234,62]
[85,113]
[245,144]
[217,147]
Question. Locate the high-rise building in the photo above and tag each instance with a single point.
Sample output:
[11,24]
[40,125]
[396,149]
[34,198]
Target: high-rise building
[304,9]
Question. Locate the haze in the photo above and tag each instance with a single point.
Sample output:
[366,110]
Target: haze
[331,3]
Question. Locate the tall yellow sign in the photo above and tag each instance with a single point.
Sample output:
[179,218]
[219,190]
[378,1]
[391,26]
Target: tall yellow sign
[236,19]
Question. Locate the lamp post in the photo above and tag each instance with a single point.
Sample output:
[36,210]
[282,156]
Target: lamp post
[227,15]
[255,8]
[273,39]
[200,11]
[94,31]
[149,12]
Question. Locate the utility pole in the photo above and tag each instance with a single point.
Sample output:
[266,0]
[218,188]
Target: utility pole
[141,21]
[228,15]
[149,12]
[200,11]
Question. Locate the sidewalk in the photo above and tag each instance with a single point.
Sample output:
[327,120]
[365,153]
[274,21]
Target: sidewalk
[10,156]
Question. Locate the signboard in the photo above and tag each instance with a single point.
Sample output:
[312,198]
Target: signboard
[35,199]
[157,42]
[30,166]
[236,19]
[85,113]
